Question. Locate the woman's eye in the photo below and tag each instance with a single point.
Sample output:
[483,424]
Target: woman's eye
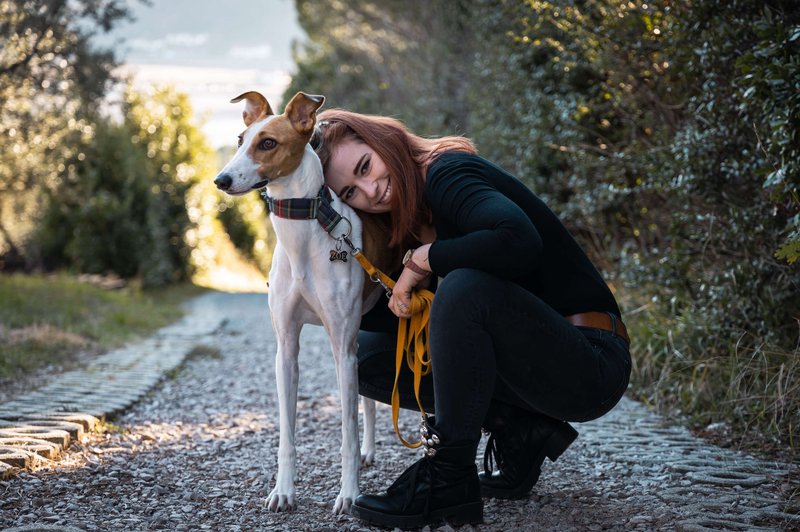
[365,167]
[267,144]
[349,193]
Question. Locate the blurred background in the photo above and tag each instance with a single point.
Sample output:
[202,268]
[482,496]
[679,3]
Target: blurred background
[664,133]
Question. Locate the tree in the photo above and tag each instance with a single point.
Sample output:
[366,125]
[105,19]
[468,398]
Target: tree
[50,71]
[377,58]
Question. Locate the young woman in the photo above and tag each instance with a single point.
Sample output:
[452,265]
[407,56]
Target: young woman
[524,333]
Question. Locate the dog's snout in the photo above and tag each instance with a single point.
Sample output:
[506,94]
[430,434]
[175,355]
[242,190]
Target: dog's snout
[223,181]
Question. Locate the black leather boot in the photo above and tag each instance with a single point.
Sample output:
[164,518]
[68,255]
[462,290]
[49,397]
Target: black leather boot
[442,486]
[519,441]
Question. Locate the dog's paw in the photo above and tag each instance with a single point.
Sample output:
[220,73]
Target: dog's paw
[367,458]
[343,503]
[280,502]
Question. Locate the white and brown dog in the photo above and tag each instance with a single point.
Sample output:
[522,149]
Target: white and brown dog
[307,284]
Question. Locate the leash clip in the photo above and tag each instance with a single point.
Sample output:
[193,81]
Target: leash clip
[386,288]
[344,237]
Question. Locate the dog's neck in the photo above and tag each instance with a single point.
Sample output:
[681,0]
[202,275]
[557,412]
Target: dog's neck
[304,182]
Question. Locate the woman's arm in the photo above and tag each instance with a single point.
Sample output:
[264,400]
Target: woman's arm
[486,229]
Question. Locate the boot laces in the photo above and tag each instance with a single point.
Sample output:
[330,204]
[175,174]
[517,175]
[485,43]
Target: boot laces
[493,455]
[422,469]
[407,482]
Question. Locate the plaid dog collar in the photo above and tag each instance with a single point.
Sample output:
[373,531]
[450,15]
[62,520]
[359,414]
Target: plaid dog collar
[318,208]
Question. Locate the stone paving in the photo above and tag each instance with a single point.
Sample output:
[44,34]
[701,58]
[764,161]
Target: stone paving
[37,427]
[629,470]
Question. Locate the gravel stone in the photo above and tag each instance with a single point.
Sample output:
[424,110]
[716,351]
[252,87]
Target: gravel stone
[198,452]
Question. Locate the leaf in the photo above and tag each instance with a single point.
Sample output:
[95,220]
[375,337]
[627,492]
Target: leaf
[789,251]
[775,177]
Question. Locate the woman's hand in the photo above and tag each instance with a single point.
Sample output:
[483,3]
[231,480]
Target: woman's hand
[400,302]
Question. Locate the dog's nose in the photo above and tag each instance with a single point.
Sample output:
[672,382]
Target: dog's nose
[223,181]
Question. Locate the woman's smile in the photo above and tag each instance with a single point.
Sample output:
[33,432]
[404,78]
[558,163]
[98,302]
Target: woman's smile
[387,194]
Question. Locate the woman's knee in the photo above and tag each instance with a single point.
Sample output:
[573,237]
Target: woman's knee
[461,289]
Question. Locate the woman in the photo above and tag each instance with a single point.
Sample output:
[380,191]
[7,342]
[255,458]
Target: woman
[524,333]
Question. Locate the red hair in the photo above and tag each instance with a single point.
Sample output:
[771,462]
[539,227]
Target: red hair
[406,156]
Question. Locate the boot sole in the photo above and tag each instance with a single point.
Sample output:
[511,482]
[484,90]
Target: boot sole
[462,514]
[556,444]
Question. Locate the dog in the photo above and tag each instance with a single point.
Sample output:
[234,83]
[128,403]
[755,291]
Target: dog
[309,281]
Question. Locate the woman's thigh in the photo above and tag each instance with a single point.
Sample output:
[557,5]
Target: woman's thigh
[541,360]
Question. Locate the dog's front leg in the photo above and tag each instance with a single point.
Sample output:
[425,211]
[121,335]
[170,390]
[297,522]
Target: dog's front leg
[347,375]
[282,496]
[368,442]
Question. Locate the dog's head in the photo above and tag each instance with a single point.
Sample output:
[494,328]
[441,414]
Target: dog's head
[272,146]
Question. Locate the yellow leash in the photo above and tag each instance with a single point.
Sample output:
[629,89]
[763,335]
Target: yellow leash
[412,340]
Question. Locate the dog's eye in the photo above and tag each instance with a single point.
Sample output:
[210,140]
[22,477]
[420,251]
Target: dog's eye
[268,144]
[240,141]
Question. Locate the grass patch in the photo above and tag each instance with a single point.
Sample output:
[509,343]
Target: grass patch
[204,351]
[49,320]
[737,389]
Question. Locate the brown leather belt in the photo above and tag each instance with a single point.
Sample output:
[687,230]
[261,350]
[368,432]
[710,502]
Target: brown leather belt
[600,320]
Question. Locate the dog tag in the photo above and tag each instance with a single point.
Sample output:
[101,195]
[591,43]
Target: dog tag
[338,255]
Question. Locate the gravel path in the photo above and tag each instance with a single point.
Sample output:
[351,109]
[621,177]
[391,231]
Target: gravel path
[199,453]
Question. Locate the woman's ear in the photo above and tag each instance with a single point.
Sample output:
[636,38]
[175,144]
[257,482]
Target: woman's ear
[316,138]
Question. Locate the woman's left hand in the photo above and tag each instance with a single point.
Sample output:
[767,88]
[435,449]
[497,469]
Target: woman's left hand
[400,302]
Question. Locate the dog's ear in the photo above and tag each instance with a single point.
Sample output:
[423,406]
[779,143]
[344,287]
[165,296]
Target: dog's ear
[302,111]
[256,108]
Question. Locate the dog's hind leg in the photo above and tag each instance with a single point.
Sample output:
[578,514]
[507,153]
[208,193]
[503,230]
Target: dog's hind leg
[282,496]
[368,443]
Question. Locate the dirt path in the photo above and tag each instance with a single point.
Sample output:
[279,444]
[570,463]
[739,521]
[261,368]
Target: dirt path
[199,453]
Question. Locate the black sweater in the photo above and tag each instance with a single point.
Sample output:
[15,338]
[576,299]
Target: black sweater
[486,219]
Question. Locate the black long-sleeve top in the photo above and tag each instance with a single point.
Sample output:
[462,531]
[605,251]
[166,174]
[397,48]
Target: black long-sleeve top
[486,219]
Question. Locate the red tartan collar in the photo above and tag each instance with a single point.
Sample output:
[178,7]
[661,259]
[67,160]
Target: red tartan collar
[317,208]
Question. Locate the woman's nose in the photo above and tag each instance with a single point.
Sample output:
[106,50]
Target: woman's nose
[368,187]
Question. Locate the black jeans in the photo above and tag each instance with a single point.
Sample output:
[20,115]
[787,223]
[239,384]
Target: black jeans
[491,340]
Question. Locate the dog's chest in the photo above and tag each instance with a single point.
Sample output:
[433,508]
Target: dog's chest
[311,251]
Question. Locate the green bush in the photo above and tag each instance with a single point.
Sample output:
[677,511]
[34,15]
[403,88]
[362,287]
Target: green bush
[123,204]
[95,218]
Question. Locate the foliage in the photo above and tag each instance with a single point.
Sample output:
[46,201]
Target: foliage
[49,71]
[770,82]
[125,204]
[179,158]
[377,58]
[93,221]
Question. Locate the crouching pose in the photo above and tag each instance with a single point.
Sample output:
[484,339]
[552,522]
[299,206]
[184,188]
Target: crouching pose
[525,335]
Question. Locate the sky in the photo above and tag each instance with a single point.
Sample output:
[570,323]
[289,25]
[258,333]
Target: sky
[212,51]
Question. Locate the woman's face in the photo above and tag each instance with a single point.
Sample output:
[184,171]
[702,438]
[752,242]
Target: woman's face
[357,174]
